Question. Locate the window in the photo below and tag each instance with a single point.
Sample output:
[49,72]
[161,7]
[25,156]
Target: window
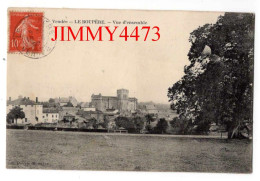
[47,115]
[52,116]
[25,120]
[42,116]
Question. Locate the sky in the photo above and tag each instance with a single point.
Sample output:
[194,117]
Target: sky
[147,69]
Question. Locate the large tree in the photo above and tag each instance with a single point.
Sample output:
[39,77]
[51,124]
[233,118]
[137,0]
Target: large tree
[15,113]
[218,83]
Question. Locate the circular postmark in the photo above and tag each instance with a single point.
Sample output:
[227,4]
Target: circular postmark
[32,36]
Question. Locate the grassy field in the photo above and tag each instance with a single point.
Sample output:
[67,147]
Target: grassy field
[99,151]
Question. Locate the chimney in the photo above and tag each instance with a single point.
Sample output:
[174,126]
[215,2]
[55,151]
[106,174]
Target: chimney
[36,100]
[10,99]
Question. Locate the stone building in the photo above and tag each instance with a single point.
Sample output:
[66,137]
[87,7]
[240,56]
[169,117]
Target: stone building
[151,109]
[121,102]
[32,109]
[50,115]
[63,101]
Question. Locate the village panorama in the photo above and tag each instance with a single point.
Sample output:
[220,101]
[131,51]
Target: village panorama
[119,113]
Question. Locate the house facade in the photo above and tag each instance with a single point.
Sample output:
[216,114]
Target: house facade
[86,106]
[32,109]
[151,109]
[50,115]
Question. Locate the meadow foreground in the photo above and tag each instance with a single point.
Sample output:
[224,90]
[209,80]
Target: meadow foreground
[101,151]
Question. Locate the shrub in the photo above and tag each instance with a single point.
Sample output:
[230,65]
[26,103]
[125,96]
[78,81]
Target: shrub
[181,125]
[161,126]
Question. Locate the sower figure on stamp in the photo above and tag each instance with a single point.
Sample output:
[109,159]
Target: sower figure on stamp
[23,28]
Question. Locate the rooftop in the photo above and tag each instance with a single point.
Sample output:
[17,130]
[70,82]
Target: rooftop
[50,110]
[150,107]
[84,104]
[21,101]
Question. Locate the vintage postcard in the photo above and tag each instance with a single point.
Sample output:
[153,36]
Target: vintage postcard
[130,90]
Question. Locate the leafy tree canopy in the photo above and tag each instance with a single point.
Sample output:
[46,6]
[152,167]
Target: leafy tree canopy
[15,113]
[218,82]
[124,122]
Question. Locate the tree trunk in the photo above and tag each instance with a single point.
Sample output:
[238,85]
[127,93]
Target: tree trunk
[230,131]
[236,132]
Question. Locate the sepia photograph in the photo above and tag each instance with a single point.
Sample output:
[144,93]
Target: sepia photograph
[130,90]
